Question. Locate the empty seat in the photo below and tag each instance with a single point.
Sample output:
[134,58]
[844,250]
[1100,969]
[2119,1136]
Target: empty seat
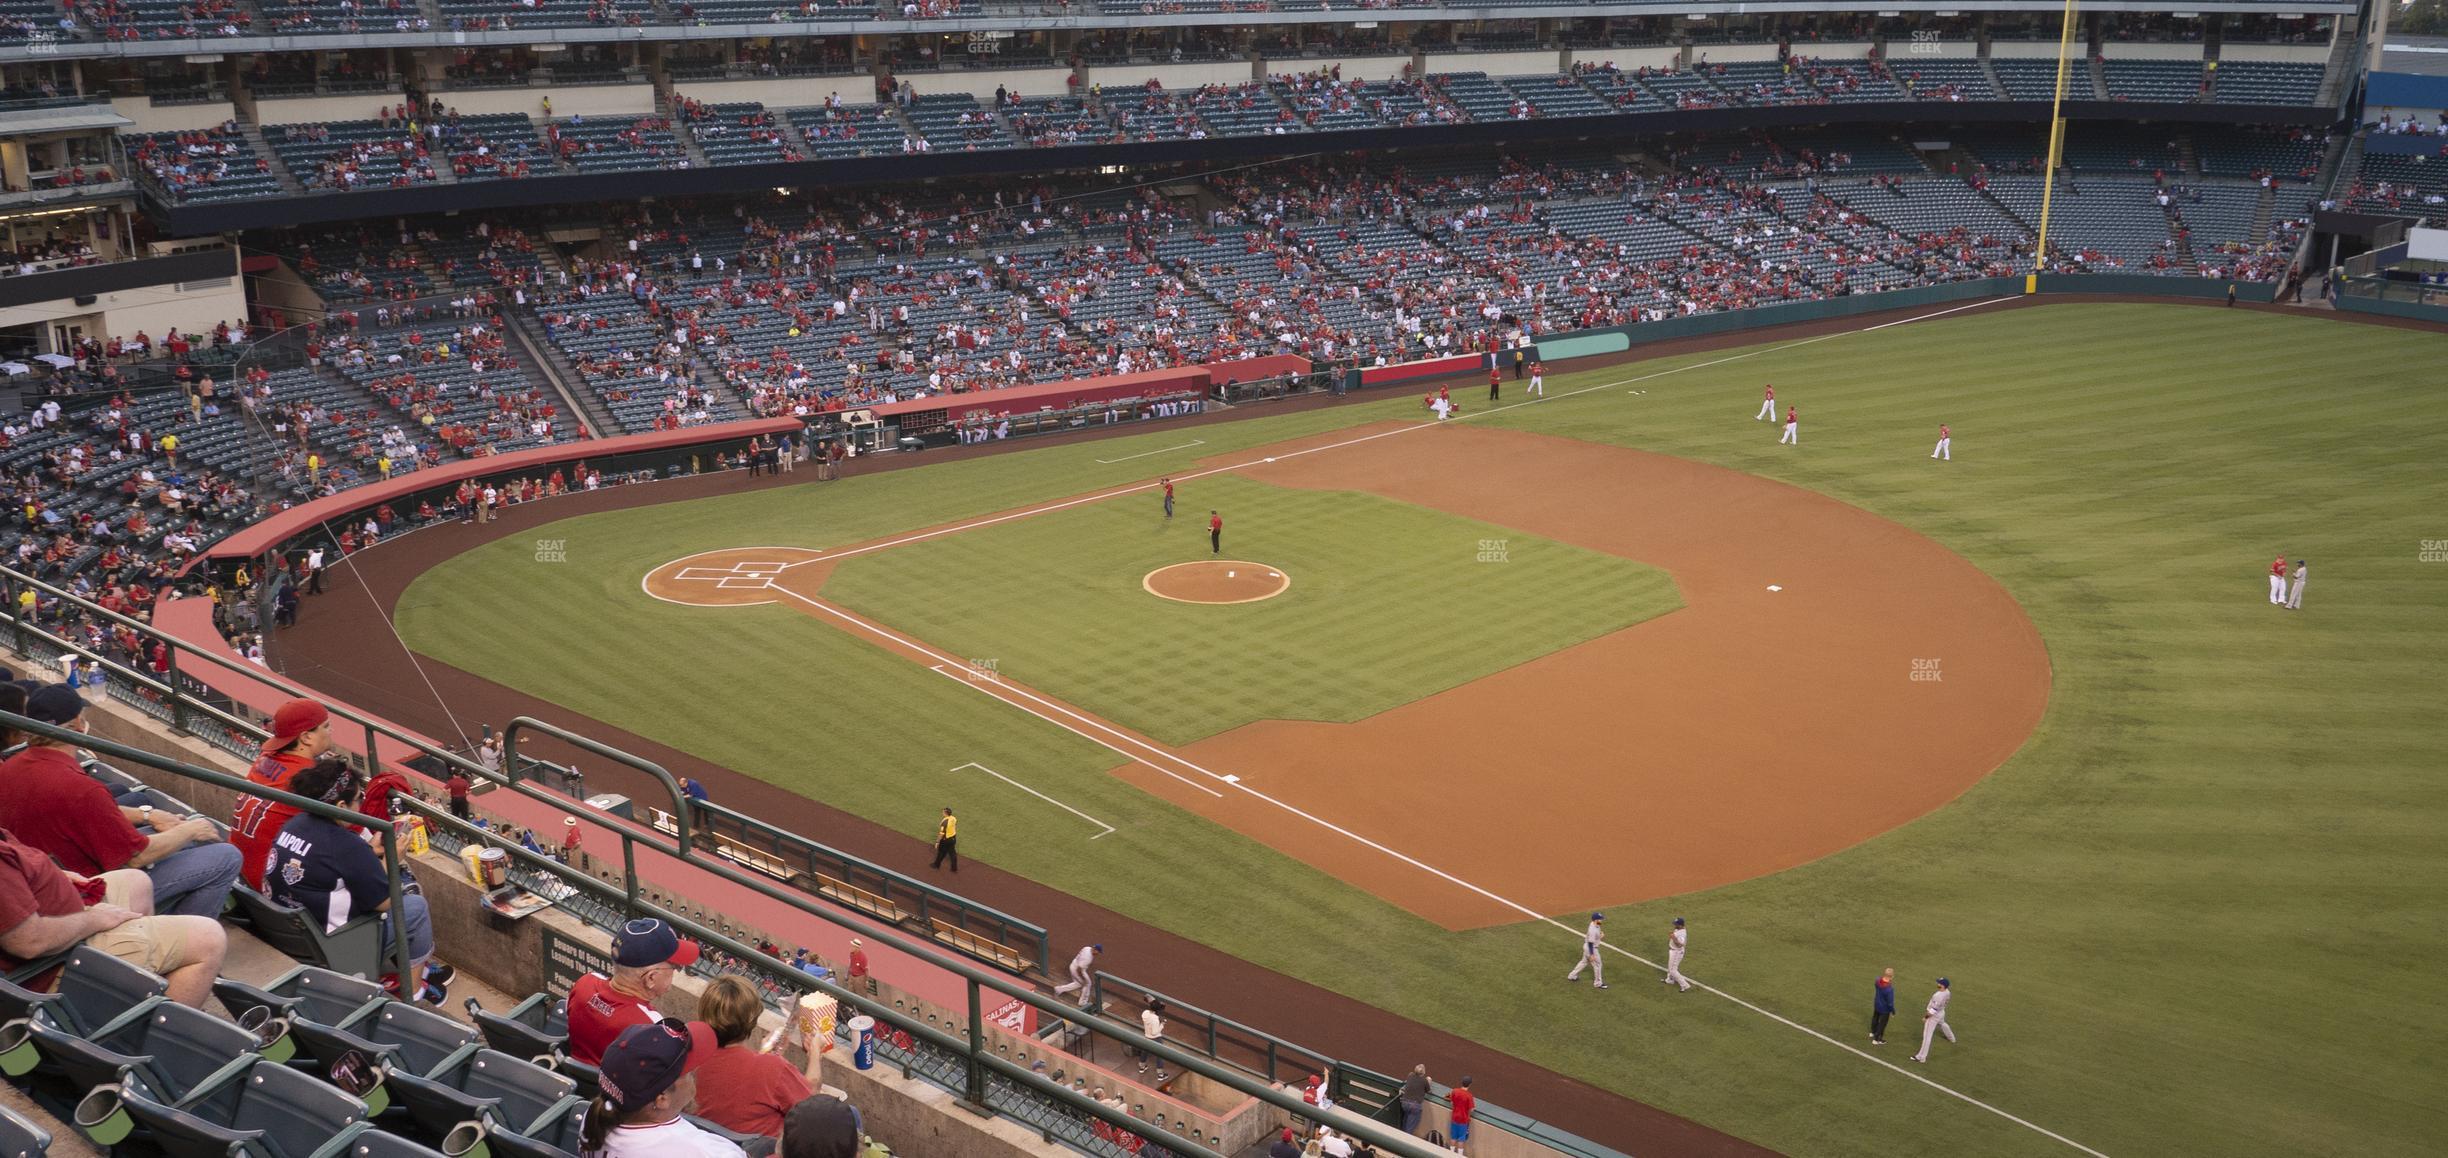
[532,1029]
[510,1095]
[356,949]
[171,1054]
[271,1110]
[20,1137]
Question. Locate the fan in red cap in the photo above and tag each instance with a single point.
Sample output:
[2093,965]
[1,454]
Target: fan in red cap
[647,956]
[646,1086]
[301,731]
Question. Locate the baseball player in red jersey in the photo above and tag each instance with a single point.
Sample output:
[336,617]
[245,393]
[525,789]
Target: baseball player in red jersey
[2278,578]
[1793,426]
[1767,405]
[1945,436]
[1215,533]
[1538,378]
[1168,488]
[1495,383]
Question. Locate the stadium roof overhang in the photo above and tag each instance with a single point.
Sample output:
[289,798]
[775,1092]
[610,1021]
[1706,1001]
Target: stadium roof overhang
[444,38]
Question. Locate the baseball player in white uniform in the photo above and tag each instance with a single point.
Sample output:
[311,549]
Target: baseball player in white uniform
[1080,966]
[1946,438]
[1933,1020]
[2295,594]
[1538,378]
[2278,582]
[1590,940]
[1676,943]
[1767,406]
[1793,426]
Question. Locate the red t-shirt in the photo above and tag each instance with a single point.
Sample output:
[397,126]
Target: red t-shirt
[598,1013]
[1463,1106]
[858,962]
[746,1091]
[257,821]
[50,804]
[1216,523]
[457,786]
[31,886]
[2278,568]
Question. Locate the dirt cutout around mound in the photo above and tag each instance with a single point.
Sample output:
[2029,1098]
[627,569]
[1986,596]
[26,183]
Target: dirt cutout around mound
[1216,581]
[1831,676]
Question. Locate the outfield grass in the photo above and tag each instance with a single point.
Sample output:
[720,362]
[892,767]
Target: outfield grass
[2199,913]
[1056,602]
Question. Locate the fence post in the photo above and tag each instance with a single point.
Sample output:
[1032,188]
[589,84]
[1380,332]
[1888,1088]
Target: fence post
[629,877]
[17,627]
[976,1068]
[178,697]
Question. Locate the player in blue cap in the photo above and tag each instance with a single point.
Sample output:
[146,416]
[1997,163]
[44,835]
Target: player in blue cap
[1590,940]
[1933,1019]
[1676,942]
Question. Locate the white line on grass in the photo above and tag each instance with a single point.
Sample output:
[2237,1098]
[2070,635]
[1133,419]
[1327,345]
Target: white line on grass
[1143,454]
[947,673]
[1235,781]
[1109,829]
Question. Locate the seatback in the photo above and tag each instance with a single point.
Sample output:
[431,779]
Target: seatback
[20,1137]
[528,1092]
[428,1040]
[296,1114]
[329,998]
[97,988]
[185,1047]
[376,1144]
[525,1031]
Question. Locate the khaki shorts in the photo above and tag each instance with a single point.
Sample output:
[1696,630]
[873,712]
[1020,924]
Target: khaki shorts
[157,943]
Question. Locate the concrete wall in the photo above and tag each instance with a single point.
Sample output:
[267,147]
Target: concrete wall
[1901,55]
[2116,51]
[318,109]
[171,118]
[1734,53]
[1629,59]
[787,93]
[592,100]
[2030,49]
[2291,53]
[153,309]
[1175,77]
[982,81]
[1497,63]
[1838,50]
[1365,68]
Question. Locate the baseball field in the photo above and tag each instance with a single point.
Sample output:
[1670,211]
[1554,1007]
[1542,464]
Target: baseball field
[2025,718]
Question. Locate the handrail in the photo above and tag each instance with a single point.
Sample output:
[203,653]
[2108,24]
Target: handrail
[510,766]
[117,751]
[973,1047]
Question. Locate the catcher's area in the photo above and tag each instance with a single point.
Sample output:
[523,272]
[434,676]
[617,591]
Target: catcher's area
[1832,675]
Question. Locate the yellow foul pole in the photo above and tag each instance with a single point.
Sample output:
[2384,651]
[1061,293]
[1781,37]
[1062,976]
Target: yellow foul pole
[2056,148]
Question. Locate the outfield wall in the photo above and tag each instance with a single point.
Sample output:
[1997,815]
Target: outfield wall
[1617,339]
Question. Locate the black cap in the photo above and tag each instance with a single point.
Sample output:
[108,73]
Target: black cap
[820,1126]
[54,704]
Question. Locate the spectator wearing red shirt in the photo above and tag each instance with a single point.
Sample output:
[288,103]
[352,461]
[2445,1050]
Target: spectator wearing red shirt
[647,956]
[742,1088]
[858,966]
[49,803]
[457,786]
[46,910]
[301,731]
[1464,1105]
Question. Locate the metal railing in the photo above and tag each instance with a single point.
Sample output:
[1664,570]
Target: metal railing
[122,754]
[963,1061]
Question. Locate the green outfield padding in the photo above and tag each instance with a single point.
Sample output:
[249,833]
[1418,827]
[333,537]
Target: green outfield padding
[1584,345]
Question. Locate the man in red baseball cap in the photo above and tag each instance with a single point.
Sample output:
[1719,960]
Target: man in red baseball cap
[647,956]
[647,1085]
[301,731]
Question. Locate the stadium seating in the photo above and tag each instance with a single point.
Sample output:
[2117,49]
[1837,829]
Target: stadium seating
[2267,82]
[2170,81]
[351,154]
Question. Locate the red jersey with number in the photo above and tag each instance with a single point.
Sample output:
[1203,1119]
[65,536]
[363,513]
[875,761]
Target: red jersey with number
[257,820]
[1792,415]
[2279,568]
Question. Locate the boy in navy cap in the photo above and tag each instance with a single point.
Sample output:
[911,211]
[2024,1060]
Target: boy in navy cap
[327,869]
[647,1085]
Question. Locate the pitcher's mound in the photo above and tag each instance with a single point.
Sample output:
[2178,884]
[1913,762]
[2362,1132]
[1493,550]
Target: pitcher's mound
[1216,581]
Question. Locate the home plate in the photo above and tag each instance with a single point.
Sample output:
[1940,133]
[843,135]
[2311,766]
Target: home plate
[1774,587]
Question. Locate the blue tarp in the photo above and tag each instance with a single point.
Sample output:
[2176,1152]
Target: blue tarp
[2405,90]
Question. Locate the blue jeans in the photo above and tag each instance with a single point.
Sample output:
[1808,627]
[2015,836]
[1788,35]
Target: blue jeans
[419,925]
[1411,1118]
[194,881]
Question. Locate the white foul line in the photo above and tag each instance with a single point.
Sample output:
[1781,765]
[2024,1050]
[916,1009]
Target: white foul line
[1109,829]
[1235,781]
[1143,454]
